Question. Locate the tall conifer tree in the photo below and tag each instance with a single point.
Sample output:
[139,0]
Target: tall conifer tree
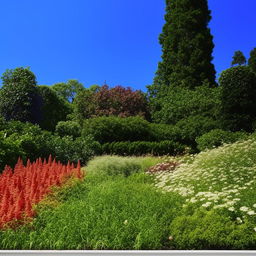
[186,47]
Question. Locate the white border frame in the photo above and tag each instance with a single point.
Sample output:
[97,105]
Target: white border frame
[125,253]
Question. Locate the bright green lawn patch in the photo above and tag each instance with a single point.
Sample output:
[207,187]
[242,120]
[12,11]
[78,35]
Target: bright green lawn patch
[103,212]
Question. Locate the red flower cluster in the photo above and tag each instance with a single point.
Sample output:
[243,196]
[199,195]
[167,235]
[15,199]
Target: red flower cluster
[27,185]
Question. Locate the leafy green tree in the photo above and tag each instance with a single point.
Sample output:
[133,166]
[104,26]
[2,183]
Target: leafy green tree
[180,103]
[68,90]
[19,99]
[84,105]
[238,59]
[252,60]
[186,47]
[53,109]
[238,99]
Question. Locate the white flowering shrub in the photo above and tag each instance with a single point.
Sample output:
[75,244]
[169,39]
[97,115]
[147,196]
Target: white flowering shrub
[222,182]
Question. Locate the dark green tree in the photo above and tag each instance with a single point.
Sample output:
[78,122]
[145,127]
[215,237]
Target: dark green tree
[19,99]
[238,99]
[186,47]
[252,60]
[68,90]
[238,59]
[53,109]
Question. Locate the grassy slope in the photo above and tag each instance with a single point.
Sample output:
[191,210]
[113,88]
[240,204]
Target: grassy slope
[106,211]
[219,187]
[207,203]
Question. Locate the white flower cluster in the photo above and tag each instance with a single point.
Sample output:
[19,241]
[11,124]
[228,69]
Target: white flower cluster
[218,178]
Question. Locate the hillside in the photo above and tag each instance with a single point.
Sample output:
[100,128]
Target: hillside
[206,202]
[219,188]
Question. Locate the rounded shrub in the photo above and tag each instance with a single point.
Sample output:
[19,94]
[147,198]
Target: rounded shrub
[68,128]
[193,127]
[218,137]
[67,149]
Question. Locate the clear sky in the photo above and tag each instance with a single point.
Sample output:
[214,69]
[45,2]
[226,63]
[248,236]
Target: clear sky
[108,40]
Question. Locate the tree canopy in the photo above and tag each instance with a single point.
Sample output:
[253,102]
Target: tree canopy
[19,99]
[238,59]
[68,90]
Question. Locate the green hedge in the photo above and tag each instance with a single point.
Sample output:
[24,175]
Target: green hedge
[138,148]
[111,129]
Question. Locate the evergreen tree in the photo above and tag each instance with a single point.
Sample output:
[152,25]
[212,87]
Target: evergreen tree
[238,59]
[186,45]
[252,60]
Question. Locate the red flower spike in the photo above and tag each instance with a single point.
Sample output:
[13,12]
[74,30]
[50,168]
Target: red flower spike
[27,185]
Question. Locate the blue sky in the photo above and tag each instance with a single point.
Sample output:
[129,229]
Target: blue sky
[108,40]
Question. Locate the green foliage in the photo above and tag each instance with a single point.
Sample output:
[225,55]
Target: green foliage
[252,60]
[20,128]
[211,230]
[218,137]
[68,149]
[54,108]
[10,151]
[160,132]
[132,129]
[68,128]
[193,127]
[26,140]
[110,129]
[238,59]
[68,90]
[139,148]
[180,103]
[238,99]
[23,140]
[186,45]
[84,105]
[19,99]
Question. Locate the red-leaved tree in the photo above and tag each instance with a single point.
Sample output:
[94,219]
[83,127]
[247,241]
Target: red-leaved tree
[116,101]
